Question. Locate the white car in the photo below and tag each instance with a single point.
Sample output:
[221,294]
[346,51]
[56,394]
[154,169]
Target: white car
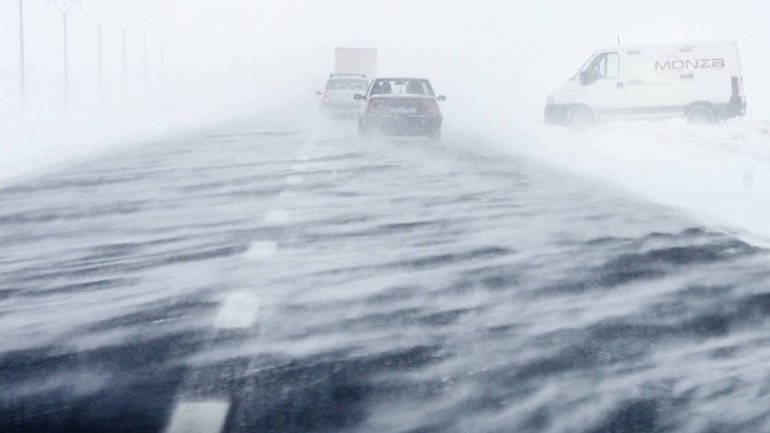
[337,99]
[701,81]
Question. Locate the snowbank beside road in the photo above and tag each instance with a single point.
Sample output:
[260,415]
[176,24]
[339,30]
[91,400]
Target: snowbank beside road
[720,174]
[35,143]
[29,144]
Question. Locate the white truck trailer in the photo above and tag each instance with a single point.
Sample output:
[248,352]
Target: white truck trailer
[354,69]
[701,81]
[356,61]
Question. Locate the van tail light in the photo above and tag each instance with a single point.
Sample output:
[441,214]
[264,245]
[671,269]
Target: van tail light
[737,97]
[736,83]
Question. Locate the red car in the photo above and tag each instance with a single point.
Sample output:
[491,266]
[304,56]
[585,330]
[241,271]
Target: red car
[400,106]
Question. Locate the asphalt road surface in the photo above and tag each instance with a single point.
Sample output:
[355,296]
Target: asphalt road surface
[257,281]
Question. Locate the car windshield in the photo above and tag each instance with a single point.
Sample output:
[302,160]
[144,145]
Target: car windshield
[347,85]
[401,86]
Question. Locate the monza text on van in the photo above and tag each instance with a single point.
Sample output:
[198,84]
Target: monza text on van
[688,65]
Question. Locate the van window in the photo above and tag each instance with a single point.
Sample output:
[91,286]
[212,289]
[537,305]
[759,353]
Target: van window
[611,66]
[604,66]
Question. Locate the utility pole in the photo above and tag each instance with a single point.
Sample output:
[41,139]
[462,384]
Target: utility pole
[126,24]
[162,64]
[144,60]
[145,54]
[100,18]
[101,63]
[65,6]
[66,64]
[125,63]
[22,60]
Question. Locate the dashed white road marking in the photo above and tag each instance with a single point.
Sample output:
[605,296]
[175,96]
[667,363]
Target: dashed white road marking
[295,180]
[262,250]
[239,310]
[199,417]
[277,216]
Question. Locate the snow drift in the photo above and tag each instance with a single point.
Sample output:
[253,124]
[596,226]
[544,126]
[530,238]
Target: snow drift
[719,174]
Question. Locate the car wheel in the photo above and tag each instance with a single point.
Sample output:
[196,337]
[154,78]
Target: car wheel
[363,131]
[580,118]
[435,135]
[701,115]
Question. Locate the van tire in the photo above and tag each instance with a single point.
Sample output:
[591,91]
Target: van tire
[580,118]
[701,114]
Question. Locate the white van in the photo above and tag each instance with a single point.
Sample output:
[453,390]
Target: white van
[701,81]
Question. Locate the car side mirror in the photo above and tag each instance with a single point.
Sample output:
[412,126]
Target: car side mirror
[359,97]
[318,92]
[441,98]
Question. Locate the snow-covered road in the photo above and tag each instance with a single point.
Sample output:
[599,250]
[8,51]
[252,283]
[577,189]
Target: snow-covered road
[257,281]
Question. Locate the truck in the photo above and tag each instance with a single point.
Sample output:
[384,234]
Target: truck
[356,61]
[353,70]
[701,81]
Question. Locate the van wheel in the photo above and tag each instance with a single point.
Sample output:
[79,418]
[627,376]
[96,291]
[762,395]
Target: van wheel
[580,118]
[701,115]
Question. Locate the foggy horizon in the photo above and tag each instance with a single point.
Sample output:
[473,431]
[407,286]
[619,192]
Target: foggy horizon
[517,53]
